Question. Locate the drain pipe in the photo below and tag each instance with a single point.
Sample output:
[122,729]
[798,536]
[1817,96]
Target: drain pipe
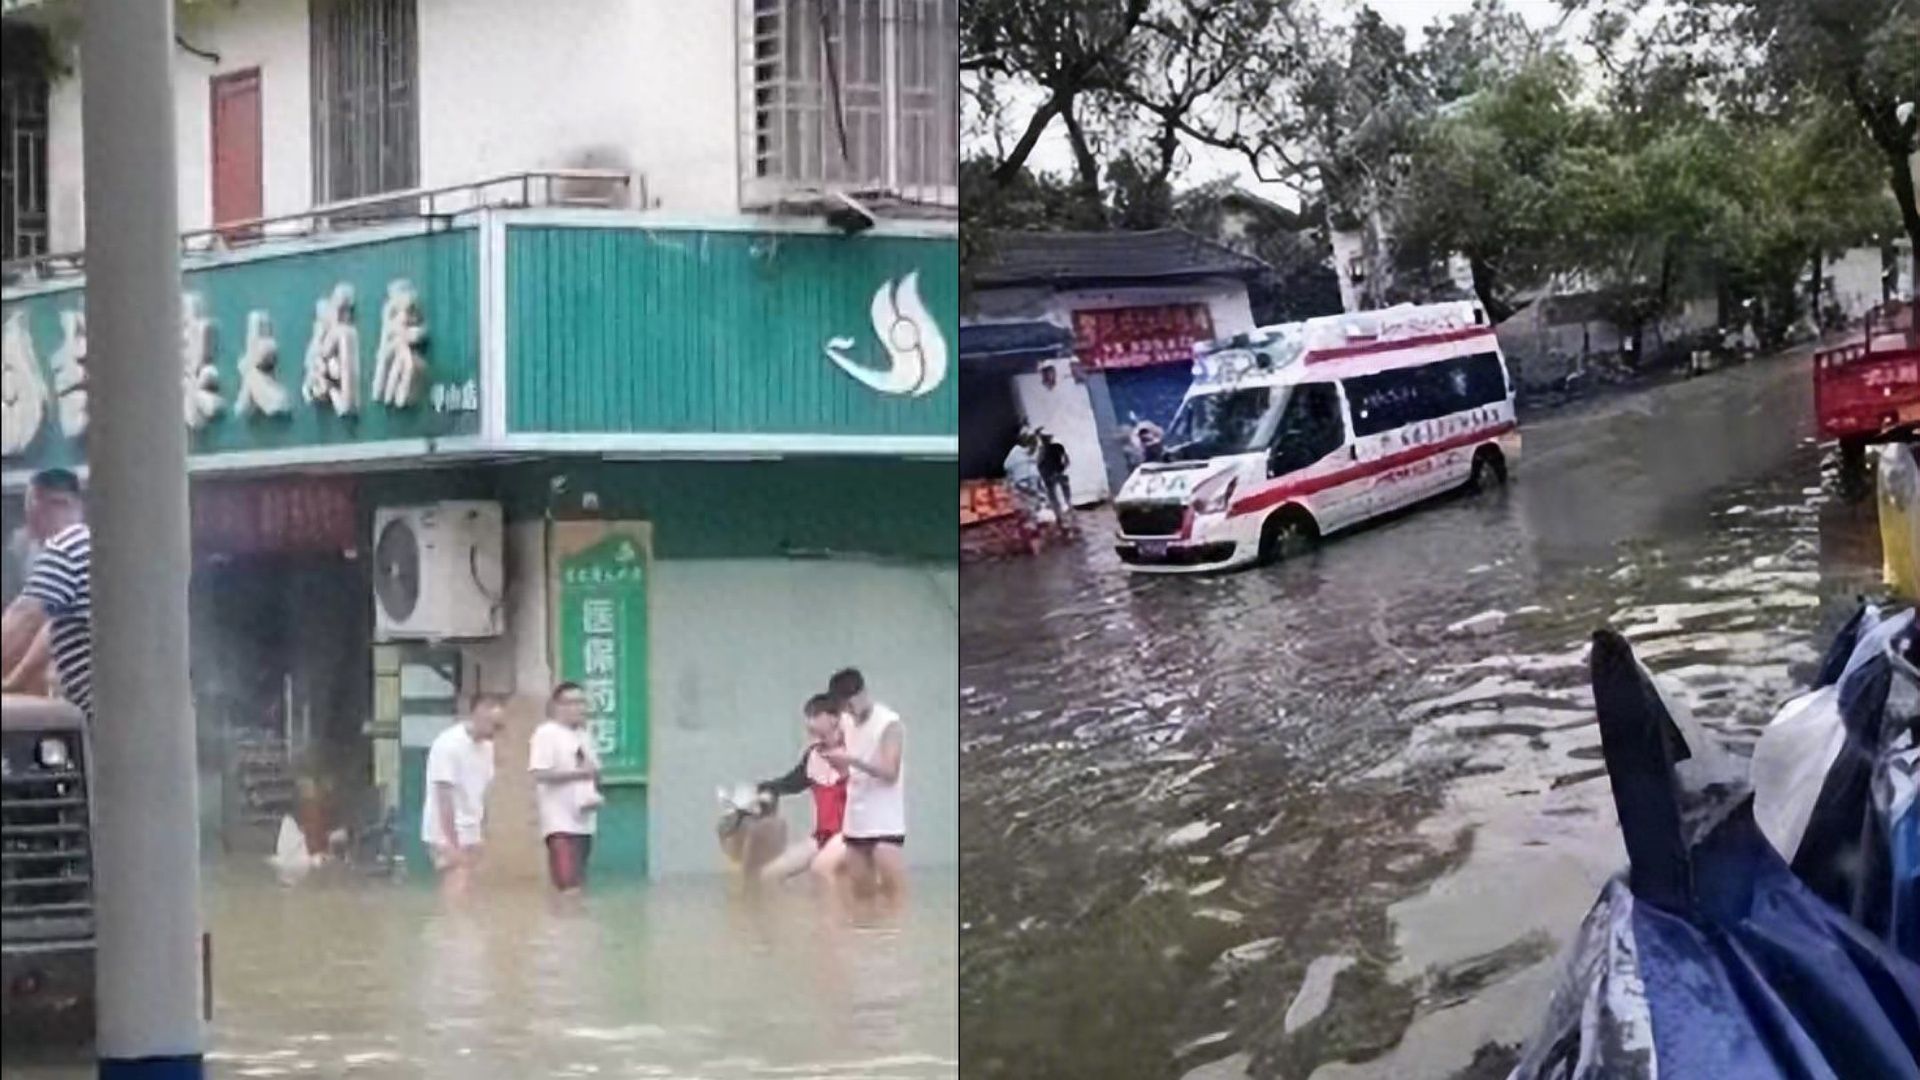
[147,836]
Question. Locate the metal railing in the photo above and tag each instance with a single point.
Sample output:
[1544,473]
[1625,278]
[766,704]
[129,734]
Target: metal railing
[601,188]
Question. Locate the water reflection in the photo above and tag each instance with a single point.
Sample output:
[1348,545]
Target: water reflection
[681,979]
[1334,818]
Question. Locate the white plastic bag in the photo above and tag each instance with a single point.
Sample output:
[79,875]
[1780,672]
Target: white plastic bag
[1799,747]
[1790,764]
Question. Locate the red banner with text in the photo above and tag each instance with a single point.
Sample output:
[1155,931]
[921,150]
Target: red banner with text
[261,517]
[1108,339]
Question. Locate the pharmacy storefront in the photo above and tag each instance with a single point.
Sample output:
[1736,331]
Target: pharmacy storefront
[695,470]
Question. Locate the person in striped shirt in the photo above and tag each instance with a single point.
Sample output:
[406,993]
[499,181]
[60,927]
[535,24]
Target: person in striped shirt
[54,612]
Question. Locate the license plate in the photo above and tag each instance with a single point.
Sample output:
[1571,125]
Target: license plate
[1153,549]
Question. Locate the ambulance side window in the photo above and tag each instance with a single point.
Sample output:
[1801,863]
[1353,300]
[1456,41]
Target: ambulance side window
[1309,429]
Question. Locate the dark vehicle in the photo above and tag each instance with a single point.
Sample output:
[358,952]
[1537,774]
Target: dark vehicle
[46,870]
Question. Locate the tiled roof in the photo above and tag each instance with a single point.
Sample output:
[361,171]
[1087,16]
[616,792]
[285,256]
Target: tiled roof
[1033,340]
[1058,258]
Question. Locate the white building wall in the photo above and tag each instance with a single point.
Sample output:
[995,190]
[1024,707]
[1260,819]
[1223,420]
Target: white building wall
[1853,281]
[268,34]
[646,86]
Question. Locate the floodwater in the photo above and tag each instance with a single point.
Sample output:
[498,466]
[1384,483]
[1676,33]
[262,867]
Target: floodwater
[682,979]
[1335,818]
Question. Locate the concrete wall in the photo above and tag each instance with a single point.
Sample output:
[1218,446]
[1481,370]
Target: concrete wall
[268,34]
[1853,281]
[647,86]
[1543,352]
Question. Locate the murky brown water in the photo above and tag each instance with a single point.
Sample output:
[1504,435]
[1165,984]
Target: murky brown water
[1334,818]
[672,980]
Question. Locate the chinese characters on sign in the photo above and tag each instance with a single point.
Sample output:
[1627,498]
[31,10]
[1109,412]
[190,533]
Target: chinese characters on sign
[1108,339]
[260,389]
[23,390]
[333,354]
[70,372]
[603,636]
[401,378]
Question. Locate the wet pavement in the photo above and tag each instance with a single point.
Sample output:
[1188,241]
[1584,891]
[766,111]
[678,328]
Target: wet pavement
[1334,818]
[359,979]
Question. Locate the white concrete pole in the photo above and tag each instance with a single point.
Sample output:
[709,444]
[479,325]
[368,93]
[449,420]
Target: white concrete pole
[147,837]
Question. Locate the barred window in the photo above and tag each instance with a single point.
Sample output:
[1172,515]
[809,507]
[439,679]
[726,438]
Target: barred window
[366,101]
[23,145]
[854,95]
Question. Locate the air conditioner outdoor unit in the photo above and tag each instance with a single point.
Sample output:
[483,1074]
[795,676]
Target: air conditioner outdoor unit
[437,572]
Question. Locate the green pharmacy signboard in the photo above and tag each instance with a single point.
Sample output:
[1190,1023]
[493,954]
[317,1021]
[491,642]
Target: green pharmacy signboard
[309,347]
[603,641]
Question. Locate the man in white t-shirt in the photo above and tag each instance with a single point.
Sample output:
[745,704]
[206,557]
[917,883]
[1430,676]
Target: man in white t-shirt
[459,771]
[874,757]
[566,779]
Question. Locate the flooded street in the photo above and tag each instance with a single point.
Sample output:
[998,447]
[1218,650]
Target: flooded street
[352,979]
[1334,818]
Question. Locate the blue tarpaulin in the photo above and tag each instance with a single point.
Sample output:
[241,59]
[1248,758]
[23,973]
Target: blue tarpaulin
[1710,956]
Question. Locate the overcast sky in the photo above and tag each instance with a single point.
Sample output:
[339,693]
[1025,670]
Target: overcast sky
[1207,163]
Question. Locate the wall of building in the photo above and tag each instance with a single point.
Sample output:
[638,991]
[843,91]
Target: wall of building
[1854,281]
[647,86]
[267,34]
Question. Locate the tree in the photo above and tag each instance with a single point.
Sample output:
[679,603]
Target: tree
[1645,216]
[1129,83]
[1779,59]
[1800,196]
[1298,284]
[1483,182]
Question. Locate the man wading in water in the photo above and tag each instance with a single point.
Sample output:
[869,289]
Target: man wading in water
[459,772]
[566,777]
[875,759]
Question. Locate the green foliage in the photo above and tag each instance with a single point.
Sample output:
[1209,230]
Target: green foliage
[1482,181]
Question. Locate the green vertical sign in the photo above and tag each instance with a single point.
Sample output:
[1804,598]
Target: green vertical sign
[603,642]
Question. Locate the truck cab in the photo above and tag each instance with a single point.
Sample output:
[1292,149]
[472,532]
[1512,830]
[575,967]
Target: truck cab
[46,870]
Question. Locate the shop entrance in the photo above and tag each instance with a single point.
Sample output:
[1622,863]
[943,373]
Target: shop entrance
[282,665]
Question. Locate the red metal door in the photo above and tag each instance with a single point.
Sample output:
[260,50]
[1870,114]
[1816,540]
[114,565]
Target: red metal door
[237,180]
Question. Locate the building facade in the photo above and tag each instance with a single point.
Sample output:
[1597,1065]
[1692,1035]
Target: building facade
[596,274]
[1136,304]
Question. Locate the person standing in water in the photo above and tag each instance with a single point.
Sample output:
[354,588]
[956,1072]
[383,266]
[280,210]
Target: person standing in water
[1054,462]
[875,759]
[459,772]
[1028,489]
[566,778]
[827,850]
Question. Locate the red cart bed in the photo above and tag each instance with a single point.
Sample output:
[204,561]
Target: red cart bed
[1870,390]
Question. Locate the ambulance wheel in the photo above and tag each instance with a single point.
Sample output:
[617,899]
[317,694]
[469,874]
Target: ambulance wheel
[1489,470]
[1288,533]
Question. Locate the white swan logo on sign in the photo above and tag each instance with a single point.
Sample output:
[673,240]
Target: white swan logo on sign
[916,350]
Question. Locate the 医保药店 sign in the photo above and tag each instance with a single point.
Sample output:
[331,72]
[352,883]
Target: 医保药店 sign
[306,348]
[603,647]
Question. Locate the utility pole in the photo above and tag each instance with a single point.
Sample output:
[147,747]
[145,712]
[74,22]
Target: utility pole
[146,836]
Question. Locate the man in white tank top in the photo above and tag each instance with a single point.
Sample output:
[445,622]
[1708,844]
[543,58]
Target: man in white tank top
[874,756]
